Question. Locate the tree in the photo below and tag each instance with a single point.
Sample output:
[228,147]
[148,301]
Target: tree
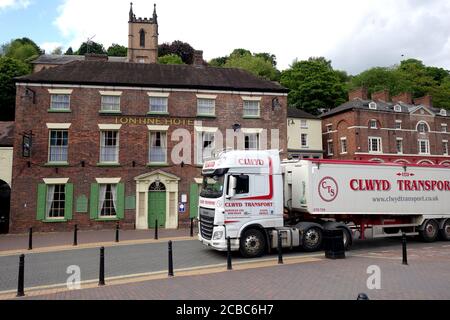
[218,62]
[9,69]
[22,49]
[182,49]
[92,47]
[57,51]
[170,59]
[314,84]
[268,57]
[255,65]
[69,52]
[116,50]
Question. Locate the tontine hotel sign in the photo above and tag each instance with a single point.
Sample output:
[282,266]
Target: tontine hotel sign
[154,121]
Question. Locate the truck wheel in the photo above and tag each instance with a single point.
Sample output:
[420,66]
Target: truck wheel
[312,239]
[430,231]
[347,238]
[253,243]
[444,233]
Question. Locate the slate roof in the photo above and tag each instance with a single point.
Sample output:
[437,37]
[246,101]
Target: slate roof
[6,133]
[381,106]
[153,75]
[293,112]
[63,59]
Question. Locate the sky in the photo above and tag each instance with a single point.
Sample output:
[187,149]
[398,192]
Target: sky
[354,34]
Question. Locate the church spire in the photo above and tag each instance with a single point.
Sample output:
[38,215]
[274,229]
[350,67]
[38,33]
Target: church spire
[131,11]
[155,16]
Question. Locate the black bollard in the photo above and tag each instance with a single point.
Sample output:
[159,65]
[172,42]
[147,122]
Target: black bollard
[101,276]
[170,260]
[20,286]
[30,239]
[280,250]
[117,232]
[405,254]
[192,227]
[75,235]
[362,296]
[156,229]
[229,264]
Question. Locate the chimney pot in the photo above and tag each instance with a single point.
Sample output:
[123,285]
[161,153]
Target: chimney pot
[198,58]
[425,101]
[359,93]
[405,97]
[382,96]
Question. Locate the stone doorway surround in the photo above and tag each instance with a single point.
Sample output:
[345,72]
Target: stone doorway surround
[143,183]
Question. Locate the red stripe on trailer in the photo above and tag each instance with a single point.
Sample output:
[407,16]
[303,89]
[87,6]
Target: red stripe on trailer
[371,163]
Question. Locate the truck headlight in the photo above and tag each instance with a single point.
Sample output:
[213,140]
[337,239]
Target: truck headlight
[217,235]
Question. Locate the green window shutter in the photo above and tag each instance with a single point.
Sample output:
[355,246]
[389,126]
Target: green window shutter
[193,200]
[68,207]
[41,201]
[93,201]
[120,201]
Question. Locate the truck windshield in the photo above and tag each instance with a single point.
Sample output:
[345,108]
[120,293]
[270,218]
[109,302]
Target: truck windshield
[212,186]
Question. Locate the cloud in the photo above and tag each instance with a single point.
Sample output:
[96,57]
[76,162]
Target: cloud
[355,34]
[14,4]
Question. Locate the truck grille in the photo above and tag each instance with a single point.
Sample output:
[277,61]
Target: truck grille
[206,222]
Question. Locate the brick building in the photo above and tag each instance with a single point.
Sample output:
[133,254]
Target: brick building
[104,135]
[385,129]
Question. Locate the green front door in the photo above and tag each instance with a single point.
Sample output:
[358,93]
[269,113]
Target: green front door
[156,208]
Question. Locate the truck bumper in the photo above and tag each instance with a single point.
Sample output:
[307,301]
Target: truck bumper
[220,245]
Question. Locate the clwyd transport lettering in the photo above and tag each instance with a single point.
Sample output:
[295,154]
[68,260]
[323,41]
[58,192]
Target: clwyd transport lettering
[402,185]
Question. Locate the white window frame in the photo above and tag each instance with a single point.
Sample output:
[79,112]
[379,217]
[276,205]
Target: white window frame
[303,123]
[200,152]
[444,127]
[103,131]
[245,110]
[53,97]
[258,137]
[379,143]
[100,215]
[445,150]
[106,107]
[205,97]
[47,217]
[397,108]
[426,125]
[165,104]
[150,147]
[370,124]
[398,122]
[50,147]
[443,112]
[427,144]
[306,145]
[330,150]
[344,144]
[397,140]
[372,106]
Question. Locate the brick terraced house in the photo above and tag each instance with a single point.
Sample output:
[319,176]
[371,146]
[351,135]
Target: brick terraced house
[104,135]
[382,129]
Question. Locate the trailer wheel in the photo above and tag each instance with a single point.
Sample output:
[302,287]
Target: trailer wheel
[347,238]
[312,239]
[253,243]
[430,231]
[444,233]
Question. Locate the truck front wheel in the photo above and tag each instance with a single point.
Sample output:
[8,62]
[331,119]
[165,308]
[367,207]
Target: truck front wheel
[312,239]
[430,231]
[252,243]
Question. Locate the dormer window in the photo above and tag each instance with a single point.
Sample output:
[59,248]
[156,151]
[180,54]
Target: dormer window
[443,112]
[373,106]
[397,108]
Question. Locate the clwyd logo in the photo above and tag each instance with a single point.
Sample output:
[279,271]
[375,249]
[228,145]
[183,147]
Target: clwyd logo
[328,189]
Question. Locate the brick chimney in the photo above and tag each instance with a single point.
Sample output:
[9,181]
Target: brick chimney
[198,58]
[425,101]
[95,57]
[382,95]
[359,93]
[405,97]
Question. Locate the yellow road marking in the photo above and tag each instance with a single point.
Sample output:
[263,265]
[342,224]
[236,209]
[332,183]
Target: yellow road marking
[92,245]
[160,275]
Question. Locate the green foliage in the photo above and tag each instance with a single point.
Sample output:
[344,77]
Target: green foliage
[9,69]
[69,52]
[57,51]
[314,85]
[410,76]
[182,49]
[116,50]
[22,49]
[218,62]
[170,59]
[93,47]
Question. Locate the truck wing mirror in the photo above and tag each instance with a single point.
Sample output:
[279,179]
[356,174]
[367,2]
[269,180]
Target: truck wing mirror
[232,181]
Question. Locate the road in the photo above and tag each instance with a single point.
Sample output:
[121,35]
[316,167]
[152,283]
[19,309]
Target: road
[50,268]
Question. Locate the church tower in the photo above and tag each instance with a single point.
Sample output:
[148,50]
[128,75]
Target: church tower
[142,38]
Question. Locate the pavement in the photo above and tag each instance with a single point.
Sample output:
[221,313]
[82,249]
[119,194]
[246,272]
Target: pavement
[136,268]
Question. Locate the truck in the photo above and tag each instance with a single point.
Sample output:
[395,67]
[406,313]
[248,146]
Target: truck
[252,197]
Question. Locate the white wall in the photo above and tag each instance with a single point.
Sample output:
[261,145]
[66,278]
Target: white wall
[313,130]
[6,157]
